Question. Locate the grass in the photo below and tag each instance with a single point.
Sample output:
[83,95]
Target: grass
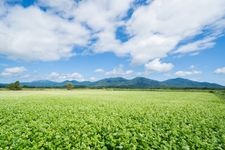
[104,119]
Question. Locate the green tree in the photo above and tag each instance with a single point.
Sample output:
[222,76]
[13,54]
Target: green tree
[15,86]
[69,86]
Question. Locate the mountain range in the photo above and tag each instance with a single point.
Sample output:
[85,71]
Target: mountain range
[138,82]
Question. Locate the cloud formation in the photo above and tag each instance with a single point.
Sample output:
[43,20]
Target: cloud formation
[184,73]
[119,72]
[32,34]
[196,46]
[99,70]
[157,66]
[160,27]
[55,76]
[13,71]
[155,30]
[220,70]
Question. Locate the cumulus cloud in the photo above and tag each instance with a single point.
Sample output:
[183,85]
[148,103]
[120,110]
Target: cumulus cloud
[99,70]
[190,72]
[157,66]
[159,27]
[13,71]
[220,70]
[106,13]
[65,76]
[119,71]
[103,17]
[156,30]
[92,79]
[32,34]
[186,73]
[161,32]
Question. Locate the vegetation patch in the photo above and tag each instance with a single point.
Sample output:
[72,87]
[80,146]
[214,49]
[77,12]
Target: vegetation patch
[220,94]
[100,119]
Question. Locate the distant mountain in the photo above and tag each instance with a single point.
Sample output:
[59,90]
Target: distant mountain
[119,82]
[185,83]
[2,85]
[77,83]
[41,83]
[138,82]
[111,82]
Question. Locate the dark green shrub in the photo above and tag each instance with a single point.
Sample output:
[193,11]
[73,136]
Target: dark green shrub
[15,86]
[69,86]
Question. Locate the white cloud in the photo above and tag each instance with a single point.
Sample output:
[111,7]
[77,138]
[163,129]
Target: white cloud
[120,72]
[187,73]
[102,15]
[92,79]
[67,76]
[157,29]
[158,66]
[31,34]
[14,71]
[99,70]
[196,46]
[220,70]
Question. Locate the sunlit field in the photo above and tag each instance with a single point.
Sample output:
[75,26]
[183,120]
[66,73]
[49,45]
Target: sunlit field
[104,119]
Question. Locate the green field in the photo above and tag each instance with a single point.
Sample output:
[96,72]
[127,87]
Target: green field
[104,119]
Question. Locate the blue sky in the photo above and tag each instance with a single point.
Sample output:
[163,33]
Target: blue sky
[94,39]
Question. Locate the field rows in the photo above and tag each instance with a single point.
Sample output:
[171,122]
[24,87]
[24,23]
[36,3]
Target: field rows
[99,119]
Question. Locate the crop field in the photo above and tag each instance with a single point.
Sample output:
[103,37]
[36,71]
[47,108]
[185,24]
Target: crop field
[104,119]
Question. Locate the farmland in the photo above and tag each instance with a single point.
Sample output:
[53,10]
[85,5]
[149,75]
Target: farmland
[107,119]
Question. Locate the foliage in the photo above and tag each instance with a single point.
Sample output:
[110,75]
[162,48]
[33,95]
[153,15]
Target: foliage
[69,86]
[15,86]
[220,94]
[98,119]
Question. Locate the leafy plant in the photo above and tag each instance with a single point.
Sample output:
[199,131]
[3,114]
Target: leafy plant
[100,119]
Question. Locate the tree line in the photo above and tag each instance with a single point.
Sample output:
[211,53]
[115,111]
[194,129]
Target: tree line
[16,86]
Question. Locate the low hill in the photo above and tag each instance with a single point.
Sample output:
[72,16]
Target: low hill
[185,83]
[119,82]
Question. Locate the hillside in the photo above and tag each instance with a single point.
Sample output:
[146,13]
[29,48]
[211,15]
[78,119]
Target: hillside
[119,82]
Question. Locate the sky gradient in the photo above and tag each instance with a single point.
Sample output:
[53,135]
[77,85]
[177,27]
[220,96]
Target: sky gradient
[93,39]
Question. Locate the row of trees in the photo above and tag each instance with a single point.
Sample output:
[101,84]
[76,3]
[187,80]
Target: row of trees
[17,86]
